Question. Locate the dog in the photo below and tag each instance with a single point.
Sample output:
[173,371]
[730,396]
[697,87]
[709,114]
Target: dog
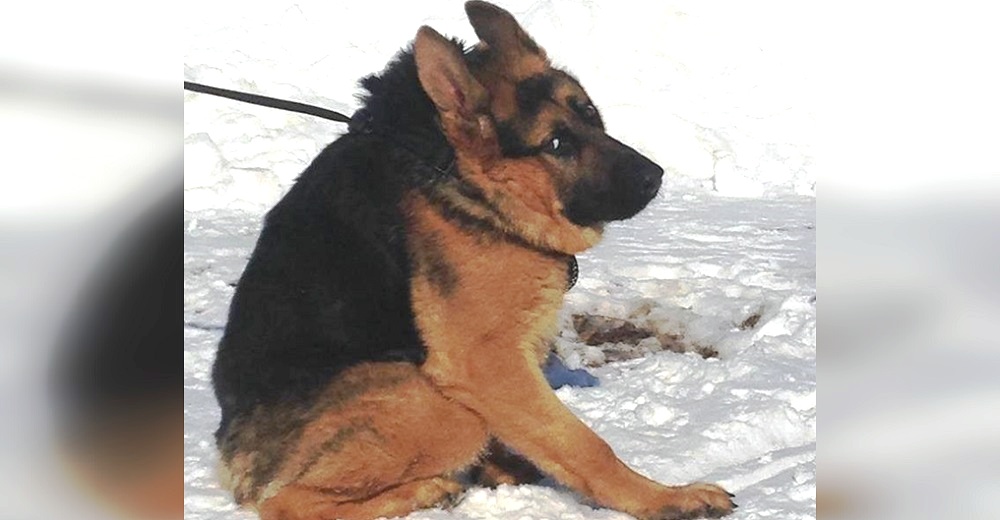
[384,343]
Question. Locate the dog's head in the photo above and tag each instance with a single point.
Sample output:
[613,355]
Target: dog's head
[528,135]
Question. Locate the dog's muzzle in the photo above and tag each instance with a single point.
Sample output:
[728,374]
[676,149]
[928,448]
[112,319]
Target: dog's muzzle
[625,186]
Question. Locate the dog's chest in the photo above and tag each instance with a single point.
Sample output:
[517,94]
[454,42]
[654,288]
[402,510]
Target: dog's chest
[471,290]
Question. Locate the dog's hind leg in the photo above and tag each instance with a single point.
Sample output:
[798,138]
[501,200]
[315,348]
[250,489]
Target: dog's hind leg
[305,503]
[381,441]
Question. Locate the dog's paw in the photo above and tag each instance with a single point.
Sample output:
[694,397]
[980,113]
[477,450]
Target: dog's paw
[452,494]
[697,500]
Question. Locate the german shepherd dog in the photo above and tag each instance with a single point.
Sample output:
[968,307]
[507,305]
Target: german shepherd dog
[386,337]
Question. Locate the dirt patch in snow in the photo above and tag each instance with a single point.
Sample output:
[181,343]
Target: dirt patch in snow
[621,340]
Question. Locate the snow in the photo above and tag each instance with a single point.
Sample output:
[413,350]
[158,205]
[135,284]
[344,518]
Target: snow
[713,92]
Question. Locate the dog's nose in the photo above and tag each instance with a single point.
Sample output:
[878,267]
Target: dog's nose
[651,176]
[647,174]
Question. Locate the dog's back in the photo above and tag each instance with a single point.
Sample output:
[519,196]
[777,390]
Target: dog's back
[327,285]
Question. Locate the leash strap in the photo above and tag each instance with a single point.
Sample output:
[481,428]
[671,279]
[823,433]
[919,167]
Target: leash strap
[265,101]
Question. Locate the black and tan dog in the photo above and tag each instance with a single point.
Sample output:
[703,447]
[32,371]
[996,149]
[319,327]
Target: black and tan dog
[387,334]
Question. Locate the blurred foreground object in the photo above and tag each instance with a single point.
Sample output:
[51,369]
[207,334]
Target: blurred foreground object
[90,114]
[117,375]
[909,297]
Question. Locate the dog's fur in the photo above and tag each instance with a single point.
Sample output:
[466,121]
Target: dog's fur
[392,320]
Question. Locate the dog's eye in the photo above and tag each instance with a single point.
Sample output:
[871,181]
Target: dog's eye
[560,147]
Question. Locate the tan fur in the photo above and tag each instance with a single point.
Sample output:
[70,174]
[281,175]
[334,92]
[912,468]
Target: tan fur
[527,205]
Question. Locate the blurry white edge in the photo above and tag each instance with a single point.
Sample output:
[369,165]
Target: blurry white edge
[78,143]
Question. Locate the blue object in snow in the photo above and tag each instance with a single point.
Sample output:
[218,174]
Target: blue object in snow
[558,375]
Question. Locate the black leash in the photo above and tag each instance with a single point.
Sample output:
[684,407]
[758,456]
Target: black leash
[360,123]
[265,101]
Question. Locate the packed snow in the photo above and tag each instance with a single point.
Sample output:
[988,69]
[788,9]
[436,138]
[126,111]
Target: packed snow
[723,260]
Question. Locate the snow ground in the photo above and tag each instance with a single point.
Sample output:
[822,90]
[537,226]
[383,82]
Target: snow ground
[713,92]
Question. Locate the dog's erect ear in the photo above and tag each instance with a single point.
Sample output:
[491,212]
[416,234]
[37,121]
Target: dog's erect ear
[500,31]
[445,77]
[461,101]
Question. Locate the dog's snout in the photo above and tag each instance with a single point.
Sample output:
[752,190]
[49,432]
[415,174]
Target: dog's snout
[623,185]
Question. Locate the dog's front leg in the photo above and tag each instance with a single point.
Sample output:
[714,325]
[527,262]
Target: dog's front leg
[509,391]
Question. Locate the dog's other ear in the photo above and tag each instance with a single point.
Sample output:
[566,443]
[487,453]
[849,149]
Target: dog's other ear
[462,102]
[500,31]
[445,77]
